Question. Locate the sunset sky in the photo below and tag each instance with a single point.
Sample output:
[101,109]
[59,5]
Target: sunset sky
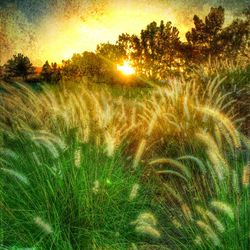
[54,30]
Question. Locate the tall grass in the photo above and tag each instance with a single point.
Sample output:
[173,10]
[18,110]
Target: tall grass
[169,113]
[74,197]
[83,169]
[207,198]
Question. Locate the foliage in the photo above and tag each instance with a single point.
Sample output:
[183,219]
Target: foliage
[19,65]
[155,52]
[51,73]
[110,52]
[110,56]
[87,64]
[158,53]
[203,37]
[234,39]
[210,38]
[1,71]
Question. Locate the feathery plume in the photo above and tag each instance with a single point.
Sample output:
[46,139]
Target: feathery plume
[198,240]
[149,230]
[209,232]
[173,192]
[176,223]
[151,124]
[235,181]
[110,144]
[43,225]
[216,164]
[139,153]
[77,157]
[96,186]
[215,221]
[145,224]
[134,247]
[16,174]
[173,163]
[134,192]
[225,121]
[223,207]
[145,218]
[246,175]
[186,211]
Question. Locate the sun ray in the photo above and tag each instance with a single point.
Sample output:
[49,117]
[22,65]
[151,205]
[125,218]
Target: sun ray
[126,68]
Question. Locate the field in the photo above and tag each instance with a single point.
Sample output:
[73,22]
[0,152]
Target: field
[88,166]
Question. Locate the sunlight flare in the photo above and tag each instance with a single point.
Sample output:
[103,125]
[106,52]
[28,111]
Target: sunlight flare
[126,68]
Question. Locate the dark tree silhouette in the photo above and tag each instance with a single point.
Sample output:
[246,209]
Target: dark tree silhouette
[111,52]
[46,72]
[56,73]
[204,38]
[87,65]
[110,55]
[234,39]
[19,65]
[51,73]
[156,52]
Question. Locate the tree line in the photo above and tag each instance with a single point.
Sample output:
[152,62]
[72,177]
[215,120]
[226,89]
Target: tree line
[156,53]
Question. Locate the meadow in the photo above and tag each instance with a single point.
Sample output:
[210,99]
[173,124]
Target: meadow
[122,167]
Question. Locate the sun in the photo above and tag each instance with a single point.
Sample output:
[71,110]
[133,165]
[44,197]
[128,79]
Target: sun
[126,68]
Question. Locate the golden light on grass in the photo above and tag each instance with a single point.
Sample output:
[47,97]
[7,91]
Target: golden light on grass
[126,68]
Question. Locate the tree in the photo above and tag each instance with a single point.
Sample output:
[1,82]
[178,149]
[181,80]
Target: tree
[234,39]
[51,73]
[156,53]
[110,55]
[46,72]
[246,13]
[19,65]
[91,65]
[56,73]
[86,65]
[204,37]
[111,52]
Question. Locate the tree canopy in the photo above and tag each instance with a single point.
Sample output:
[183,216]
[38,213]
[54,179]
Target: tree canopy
[51,73]
[19,65]
[155,54]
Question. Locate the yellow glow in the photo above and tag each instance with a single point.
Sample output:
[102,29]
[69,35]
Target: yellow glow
[73,35]
[126,69]
[59,38]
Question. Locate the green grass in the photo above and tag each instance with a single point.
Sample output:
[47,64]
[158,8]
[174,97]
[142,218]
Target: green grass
[188,203]
[187,192]
[77,190]
[69,195]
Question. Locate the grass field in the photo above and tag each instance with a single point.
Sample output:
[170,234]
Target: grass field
[102,167]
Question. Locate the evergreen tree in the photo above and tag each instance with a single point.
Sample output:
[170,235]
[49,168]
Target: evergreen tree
[19,65]
[46,72]
[204,38]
